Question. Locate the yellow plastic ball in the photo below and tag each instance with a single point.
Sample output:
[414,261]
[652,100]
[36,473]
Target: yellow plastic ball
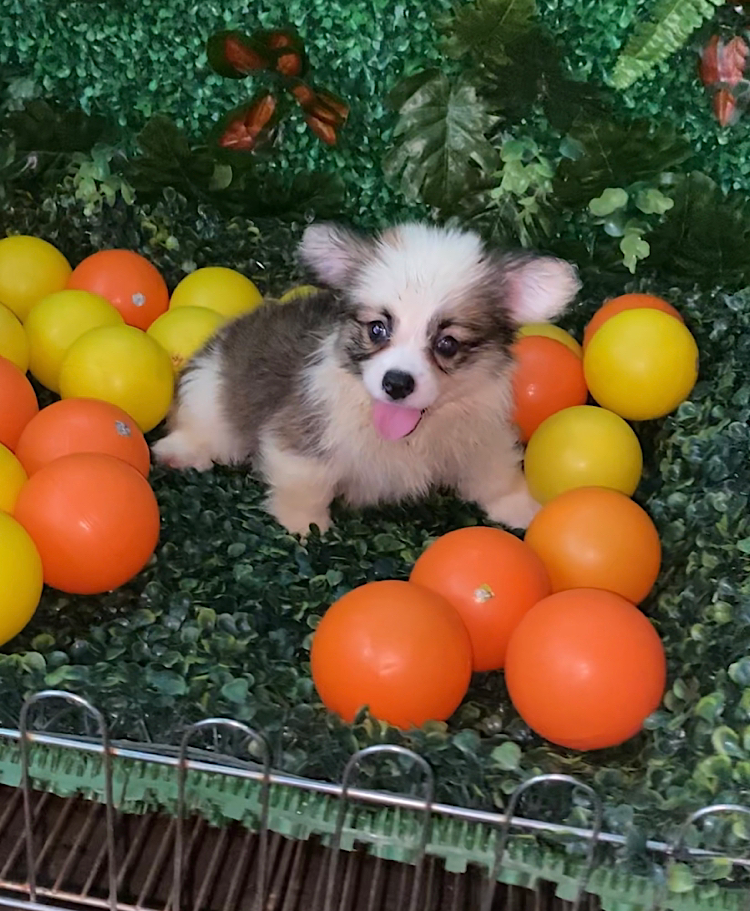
[582,446]
[124,366]
[181,332]
[58,320]
[30,269]
[550,331]
[641,364]
[12,479]
[297,292]
[20,578]
[217,288]
[14,345]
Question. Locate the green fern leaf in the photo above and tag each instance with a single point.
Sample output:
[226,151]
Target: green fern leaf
[671,24]
[487,28]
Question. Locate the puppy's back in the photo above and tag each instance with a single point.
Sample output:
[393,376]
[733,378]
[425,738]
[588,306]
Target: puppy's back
[263,355]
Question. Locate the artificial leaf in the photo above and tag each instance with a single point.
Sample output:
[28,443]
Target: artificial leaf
[41,127]
[233,182]
[535,74]
[513,204]
[726,742]
[288,49]
[611,199]
[250,126]
[236,690]
[39,140]
[222,176]
[669,27]
[634,248]
[409,87]
[680,878]
[307,193]
[617,155]
[486,28]
[440,146]
[739,671]
[615,224]
[725,107]
[706,235]
[710,707]
[167,682]
[167,159]
[514,150]
[509,209]
[653,202]
[507,756]
[722,71]
[14,164]
[325,113]
[234,55]
[722,63]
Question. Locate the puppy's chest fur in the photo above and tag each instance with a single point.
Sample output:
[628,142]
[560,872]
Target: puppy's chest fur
[369,469]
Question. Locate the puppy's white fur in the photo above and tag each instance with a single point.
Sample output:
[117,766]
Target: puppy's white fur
[465,439]
[200,433]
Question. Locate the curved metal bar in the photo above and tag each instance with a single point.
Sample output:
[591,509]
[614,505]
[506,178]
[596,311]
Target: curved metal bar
[502,841]
[26,738]
[678,844]
[183,765]
[429,799]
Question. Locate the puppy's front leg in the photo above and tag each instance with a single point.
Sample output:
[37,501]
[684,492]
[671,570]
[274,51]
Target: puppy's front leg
[301,488]
[514,508]
[496,483]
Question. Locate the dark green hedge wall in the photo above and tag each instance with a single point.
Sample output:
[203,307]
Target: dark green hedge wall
[134,58]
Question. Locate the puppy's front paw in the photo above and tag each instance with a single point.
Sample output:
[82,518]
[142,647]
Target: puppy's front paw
[176,451]
[515,510]
[297,518]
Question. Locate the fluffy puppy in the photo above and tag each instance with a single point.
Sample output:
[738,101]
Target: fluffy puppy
[395,379]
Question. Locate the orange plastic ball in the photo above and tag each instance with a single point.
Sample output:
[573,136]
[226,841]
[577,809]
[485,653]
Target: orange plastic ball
[18,403]
[396,648]
[82,425]
[585,668]
[626,302]
[491,578]
[128,281]
[593,537]
[547,377]
[94,520]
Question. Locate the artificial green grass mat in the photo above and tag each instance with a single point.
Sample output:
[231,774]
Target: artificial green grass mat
[220,623]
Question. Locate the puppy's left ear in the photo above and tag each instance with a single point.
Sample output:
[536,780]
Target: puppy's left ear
[538,288]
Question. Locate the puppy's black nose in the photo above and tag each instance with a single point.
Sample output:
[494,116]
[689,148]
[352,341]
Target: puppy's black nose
[398,384]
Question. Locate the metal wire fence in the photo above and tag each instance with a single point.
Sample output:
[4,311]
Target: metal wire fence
[423,806]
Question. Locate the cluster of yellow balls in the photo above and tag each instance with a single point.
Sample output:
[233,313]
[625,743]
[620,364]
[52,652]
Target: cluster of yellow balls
[640,362]
[77,344]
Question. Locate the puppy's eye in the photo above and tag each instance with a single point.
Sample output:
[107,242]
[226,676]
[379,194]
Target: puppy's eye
[447,346]
[377,330]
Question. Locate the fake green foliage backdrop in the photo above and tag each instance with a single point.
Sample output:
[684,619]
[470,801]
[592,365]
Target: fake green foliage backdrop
[505,121]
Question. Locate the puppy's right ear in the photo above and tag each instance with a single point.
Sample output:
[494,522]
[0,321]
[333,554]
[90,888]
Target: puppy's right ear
[333,253]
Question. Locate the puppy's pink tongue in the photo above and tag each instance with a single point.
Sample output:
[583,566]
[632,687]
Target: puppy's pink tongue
[393,422]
